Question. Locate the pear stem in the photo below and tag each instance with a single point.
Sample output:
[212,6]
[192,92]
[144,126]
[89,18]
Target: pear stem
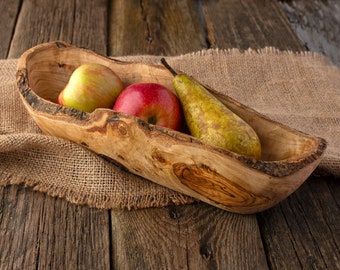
[165,63]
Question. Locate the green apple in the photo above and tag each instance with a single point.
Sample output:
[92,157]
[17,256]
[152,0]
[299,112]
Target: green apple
[91,86]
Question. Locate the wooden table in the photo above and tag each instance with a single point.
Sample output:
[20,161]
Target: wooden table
[41,232]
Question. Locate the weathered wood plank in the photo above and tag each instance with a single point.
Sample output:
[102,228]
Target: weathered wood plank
[82,23]
[9,13]
[316,23]
[37,231]
[304,228]
[186,237]
[41,232]
[154,27]
[248,24]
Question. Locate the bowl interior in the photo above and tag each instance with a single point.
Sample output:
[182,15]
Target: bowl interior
[49,71]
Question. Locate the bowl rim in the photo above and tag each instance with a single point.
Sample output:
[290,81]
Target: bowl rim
[275,168]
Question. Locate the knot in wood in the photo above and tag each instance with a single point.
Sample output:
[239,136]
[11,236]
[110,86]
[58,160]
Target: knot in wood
[206,252]
[123,129]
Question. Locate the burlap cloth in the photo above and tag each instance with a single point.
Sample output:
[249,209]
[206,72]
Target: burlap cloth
[300,90]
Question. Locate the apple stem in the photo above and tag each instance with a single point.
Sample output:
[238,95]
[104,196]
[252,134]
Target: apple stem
[165,63]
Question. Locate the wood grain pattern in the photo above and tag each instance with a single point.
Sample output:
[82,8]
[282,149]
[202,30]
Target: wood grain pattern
[37,231]
[80,22]
[158,27]
[40,232]
[186,237]
[7,24]
[305,227]
[247,24]
[316,23]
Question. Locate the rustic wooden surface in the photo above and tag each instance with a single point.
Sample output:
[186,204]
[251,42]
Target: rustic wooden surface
[40,232]
[316,23]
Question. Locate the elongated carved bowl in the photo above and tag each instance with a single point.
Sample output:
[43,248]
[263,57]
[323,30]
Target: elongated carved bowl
[173,159]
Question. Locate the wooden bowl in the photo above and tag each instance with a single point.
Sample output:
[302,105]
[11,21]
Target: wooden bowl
[173,159]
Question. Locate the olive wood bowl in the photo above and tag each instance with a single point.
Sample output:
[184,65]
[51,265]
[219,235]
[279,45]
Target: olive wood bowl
[170,158]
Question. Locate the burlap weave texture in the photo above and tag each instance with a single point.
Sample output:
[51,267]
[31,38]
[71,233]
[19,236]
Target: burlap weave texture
[299,90]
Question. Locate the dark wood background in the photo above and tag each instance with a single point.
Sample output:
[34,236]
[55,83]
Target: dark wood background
[41,232]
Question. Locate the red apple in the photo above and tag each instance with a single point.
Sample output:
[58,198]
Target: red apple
[91,86]
[151,102]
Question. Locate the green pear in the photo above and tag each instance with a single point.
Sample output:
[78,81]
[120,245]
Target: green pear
[209,120]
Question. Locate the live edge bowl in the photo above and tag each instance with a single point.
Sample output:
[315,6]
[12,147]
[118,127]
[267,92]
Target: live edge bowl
[172,159]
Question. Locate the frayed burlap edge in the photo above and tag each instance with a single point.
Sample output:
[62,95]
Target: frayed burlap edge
[93,201]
